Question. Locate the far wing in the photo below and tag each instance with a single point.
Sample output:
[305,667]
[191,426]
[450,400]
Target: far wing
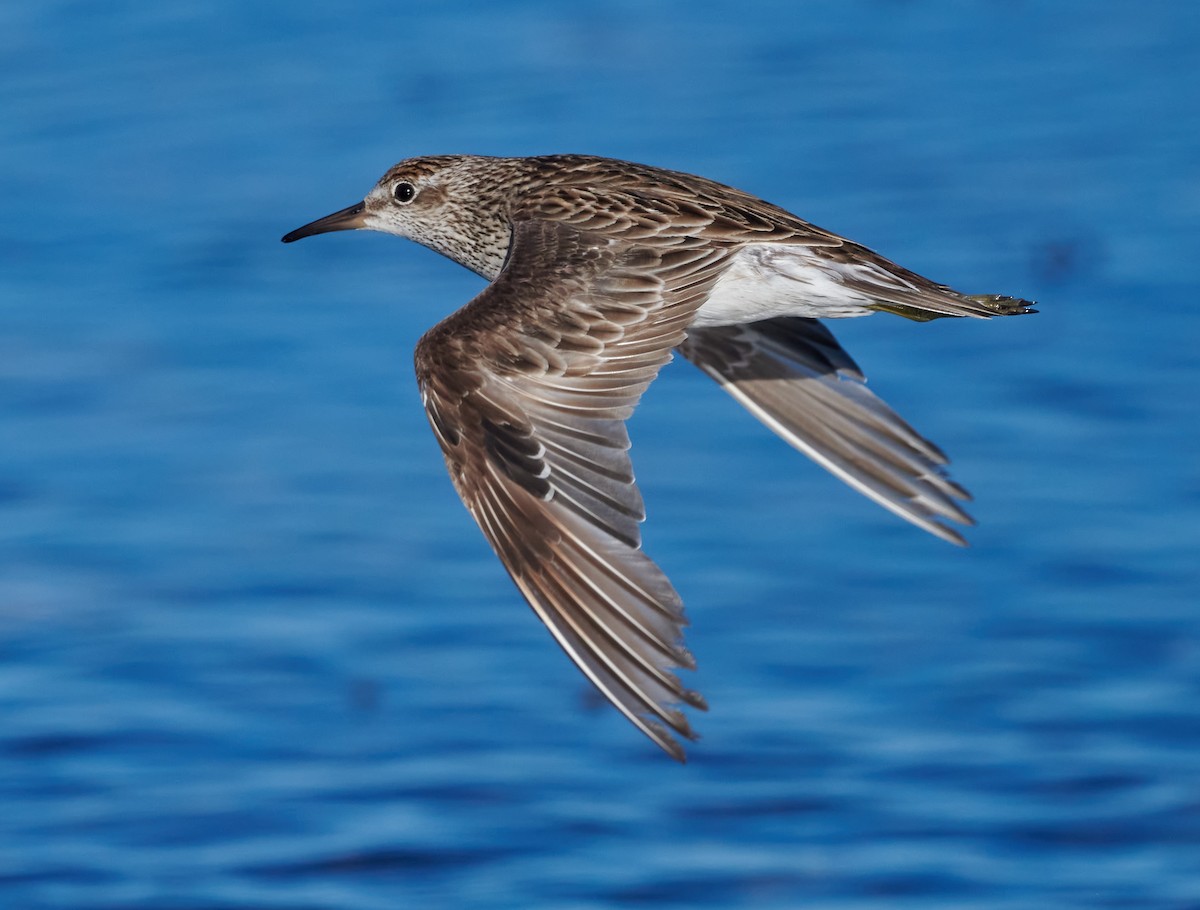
[792,375]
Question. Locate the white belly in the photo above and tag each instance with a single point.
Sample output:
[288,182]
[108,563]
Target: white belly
[780,279]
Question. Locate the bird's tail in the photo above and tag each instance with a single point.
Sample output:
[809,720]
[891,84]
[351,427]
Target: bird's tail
[978,305]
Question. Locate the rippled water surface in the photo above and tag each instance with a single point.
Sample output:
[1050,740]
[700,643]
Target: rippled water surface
[254,654]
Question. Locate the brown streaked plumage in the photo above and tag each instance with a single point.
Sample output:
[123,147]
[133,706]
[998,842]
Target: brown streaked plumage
[599,269]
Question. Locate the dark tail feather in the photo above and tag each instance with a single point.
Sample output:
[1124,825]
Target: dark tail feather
[979,305]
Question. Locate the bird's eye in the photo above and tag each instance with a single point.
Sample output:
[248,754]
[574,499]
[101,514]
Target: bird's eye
[404,192]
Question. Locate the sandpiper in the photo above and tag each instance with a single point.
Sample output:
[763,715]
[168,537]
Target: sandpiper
[599,269]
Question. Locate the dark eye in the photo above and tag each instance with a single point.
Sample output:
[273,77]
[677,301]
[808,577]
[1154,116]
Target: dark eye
[404,192]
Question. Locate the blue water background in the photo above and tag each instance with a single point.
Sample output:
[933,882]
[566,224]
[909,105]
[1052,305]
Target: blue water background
[253,652]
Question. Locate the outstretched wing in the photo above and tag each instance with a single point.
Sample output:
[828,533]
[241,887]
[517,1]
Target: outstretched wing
[792,374]
[528,388]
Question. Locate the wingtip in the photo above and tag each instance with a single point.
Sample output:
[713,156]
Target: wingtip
[694,699]
[941,531]
[952,536]
[665,740]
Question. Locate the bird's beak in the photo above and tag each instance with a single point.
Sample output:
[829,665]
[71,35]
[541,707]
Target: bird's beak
[348,219]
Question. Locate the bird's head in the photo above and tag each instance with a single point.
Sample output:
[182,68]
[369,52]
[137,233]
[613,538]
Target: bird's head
[449,203]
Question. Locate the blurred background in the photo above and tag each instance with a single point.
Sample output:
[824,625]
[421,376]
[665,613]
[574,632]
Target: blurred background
[254,653]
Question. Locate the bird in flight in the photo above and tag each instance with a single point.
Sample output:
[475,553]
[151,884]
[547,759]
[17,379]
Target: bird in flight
[599,269]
